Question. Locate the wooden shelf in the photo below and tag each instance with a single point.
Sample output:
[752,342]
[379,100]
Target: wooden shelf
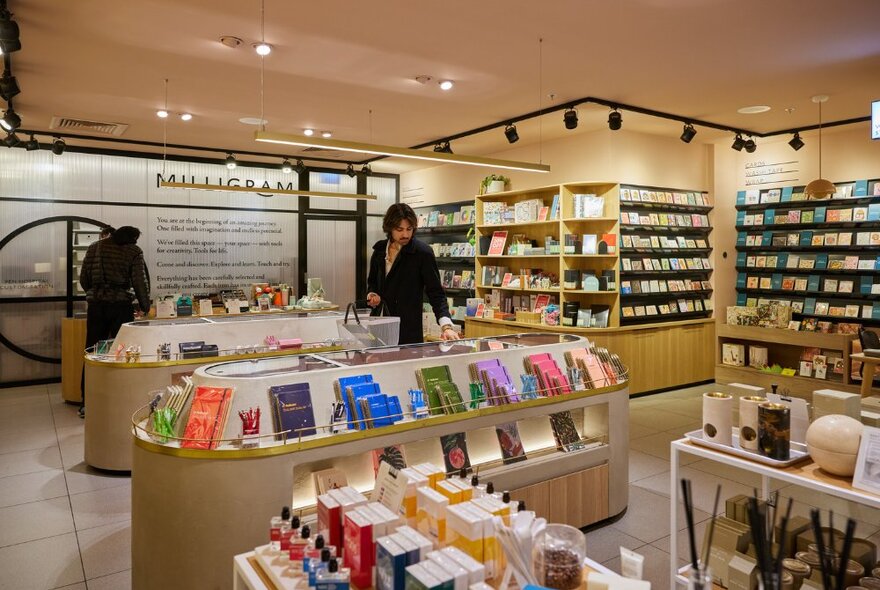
[581,291]
[630,251]
[855,297]
[581,219]
[665,294]
[501,226]
[511,256]
[663,228]
[653,318]
[444,229]
[634,273]
[809,271]
[550,290]
[811,249]
[829,203]
[675,207]
[812,226]
[781,336]
[590,256]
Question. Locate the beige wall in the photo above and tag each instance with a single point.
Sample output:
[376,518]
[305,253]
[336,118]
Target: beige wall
[847,154]
[620,156]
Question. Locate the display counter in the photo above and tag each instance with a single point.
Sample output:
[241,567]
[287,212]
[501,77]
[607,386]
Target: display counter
[660,356]
[194,509]
[116,388]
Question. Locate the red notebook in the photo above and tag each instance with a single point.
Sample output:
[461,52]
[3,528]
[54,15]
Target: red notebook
[207,417]
[496,246]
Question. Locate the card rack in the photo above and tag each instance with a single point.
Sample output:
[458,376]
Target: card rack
[665,254]
[822,257]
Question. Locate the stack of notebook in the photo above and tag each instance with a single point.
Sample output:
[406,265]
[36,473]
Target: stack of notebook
[551,379]
[207,417]
[497,384]
[365,404]
[599,367]
[292,410]
[443,394]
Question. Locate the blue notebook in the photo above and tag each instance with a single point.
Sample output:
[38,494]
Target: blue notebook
[341,394]
[292,409]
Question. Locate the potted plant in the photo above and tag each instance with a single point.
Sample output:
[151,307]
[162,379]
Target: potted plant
[494,183]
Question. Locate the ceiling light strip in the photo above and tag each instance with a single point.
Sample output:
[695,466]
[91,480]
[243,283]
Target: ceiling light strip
[398,152]
[263,191]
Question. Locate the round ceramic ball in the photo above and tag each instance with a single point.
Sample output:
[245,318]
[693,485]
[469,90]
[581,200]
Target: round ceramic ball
[833,443]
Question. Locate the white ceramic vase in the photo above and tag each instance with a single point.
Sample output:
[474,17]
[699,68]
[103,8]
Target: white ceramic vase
[748,421]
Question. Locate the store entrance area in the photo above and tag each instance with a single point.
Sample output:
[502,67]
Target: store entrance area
[65,525]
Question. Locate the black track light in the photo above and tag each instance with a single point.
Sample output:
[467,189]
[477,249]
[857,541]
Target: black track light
[738,143]
[511,134]
[688,133]
[750,145]
[570,118]
[8,86]
[286,167]
[231,162]
[11,140]
[299,168]
[615,120]
[9,35]
[58,146]
[366,170]
[796,142]
[10,120]
[443,147]
[350,171]
[32,144]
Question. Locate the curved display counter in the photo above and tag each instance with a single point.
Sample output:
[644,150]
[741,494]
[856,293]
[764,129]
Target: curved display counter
[194,509]
[115,389]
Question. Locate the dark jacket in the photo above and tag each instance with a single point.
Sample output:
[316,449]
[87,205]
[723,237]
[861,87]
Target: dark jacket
[113,268]
[414,273]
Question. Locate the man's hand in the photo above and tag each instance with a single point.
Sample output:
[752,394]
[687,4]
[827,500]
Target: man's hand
[448,333]
[373,299]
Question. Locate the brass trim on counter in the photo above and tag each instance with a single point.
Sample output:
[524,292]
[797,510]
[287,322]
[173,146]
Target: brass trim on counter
[587,331]
[355,435]
[206,360]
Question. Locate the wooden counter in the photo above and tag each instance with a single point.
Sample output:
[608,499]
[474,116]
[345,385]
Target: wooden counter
[73,343]
[659,356]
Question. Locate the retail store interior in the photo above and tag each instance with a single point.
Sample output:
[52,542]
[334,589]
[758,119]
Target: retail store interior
[578,295]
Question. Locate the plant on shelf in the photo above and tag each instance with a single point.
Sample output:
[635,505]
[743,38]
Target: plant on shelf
[494,183]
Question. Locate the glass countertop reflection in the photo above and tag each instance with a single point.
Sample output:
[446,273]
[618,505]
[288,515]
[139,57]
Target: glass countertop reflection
[269,366]
[384,354]
[169,322]
[222,319]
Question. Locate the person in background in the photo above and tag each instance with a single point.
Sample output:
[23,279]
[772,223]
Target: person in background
[402,269]
[106,232]
[112,272]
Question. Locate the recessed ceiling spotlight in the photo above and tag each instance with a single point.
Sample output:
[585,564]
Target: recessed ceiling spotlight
[253,121]
[230,41]
[326,134]
[308,132]
[446,84]
[753,110]
[162,114]
[263,49]
[185,117]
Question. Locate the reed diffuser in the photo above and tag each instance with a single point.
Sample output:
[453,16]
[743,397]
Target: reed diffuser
[699,576]
[762,519]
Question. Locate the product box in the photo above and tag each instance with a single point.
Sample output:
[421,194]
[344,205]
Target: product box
[830,401]
[758,356]
[431,507]
[447,581]
[495,507]
[359,548]
[391,565]
[414,480]
[476,570]
[733,354]
[743,390]
[423,543]
[465,531]
[413,553]
[330,519]
[467,490]
[452,492]
[418,578]
[460,575]
[431,471]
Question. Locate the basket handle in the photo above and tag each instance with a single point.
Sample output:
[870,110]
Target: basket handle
[352,308]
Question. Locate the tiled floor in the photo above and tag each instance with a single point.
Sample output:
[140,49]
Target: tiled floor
[65,525]
[62,524]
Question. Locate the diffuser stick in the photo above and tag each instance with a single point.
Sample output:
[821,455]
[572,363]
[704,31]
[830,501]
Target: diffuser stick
[844,557]
[824,566]
[689,516]
[708,548]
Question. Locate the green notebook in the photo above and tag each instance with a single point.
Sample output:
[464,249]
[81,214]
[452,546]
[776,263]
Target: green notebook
[429,378]
[450,397]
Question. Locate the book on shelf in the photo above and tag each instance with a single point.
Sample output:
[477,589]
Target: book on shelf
[392,454]
[565,432]
[208,413]
[455,452]
[428,378]
[292,409]
[509,441]
[496,247]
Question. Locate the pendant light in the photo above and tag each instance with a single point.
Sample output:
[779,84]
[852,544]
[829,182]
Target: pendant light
[820,188]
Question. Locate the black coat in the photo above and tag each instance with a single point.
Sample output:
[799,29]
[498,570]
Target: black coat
[414,272]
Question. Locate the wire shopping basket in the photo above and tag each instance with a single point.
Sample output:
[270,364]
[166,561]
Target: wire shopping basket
[383,330]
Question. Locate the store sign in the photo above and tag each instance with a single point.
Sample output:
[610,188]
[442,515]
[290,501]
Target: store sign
[223,182]
[875,119]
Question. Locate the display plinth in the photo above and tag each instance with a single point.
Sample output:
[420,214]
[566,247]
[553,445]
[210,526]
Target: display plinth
[193,510]
[660,356]
[73,342]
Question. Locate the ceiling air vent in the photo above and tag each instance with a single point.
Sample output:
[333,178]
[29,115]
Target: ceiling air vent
[84,125]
